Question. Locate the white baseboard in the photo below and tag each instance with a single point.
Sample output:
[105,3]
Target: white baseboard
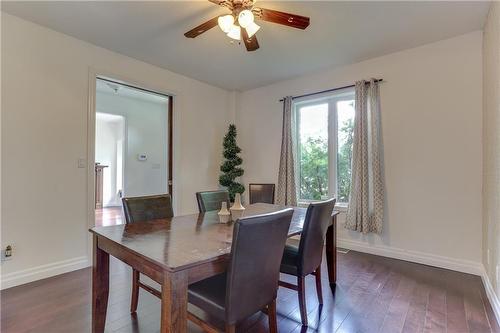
[465,266]
[43,271]
[490,293]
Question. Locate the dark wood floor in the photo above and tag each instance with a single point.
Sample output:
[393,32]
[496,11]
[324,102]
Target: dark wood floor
[109,216]
[374,294]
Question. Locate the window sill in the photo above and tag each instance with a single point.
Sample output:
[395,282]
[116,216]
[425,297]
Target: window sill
[341,207]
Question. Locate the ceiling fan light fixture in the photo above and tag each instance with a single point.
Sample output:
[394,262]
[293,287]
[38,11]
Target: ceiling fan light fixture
[245,18]
[226,22]
[235,32]
[252,29]
[240,23]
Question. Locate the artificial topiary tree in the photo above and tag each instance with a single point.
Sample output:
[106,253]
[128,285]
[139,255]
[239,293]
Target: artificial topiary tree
[230,167]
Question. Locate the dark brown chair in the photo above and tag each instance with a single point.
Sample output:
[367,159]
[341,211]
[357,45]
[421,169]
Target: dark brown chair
[261,193]
[142,209]
[211,200]
[244,290]
[305,258]
[147,208]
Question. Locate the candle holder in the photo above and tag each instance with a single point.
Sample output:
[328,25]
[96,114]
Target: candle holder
[237,208]
[224,214]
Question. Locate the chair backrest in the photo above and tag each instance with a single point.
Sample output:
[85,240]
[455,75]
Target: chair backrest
[153,207]
[253,272]
[211,200]
[261,193]
[318,218]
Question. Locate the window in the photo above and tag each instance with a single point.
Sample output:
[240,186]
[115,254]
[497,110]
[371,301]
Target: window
[325,127]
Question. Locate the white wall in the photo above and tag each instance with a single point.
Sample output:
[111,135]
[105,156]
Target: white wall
[431,123]
[146,132]
[45,92]
[431,117]
[491,153]
[109,135]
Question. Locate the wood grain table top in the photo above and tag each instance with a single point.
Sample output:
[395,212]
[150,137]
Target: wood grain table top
[180,242]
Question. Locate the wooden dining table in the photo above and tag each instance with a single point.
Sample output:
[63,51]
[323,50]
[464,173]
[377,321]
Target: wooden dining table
[175,252]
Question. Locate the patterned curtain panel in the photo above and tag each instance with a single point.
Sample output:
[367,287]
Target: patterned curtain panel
[367,199]
[286,193]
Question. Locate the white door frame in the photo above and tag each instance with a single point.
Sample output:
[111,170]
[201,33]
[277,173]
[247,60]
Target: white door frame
[94,74]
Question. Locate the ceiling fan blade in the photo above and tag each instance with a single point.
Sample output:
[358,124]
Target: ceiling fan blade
[274,16]
[251,43]
[202,28]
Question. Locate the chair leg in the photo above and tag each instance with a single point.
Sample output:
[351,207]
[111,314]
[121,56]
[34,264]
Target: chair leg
[271,313]
[302,299]
[318,285]
[135,291]
[230,328]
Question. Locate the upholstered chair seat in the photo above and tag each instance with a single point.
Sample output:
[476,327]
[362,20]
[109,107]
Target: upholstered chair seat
[211,200]
[289,262]
[210,295]
[143,209]
[147,208]
[304,258]
[261,193]
[244,290]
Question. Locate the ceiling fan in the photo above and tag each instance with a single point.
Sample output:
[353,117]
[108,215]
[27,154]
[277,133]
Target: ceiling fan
[240,24]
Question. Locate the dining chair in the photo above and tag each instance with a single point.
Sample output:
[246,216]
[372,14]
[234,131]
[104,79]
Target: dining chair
[211,200]
[305,258]
[147,208]
[261,193]
[244,290]
[142,209]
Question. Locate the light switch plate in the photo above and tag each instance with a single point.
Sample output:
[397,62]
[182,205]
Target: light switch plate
[82,163]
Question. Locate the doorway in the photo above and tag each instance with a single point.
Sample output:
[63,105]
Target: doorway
[133,146]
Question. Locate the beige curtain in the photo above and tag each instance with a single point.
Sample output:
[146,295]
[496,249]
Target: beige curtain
[367,199]
[286,193]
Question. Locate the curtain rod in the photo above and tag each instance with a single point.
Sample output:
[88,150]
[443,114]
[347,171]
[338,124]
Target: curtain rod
[328,90]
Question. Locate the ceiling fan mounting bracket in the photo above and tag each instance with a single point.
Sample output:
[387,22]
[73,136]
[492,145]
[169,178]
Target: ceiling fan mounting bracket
[235,6]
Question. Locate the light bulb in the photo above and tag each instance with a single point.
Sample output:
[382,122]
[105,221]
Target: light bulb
[245,18]
[252,29]
[225,22]
[235,32]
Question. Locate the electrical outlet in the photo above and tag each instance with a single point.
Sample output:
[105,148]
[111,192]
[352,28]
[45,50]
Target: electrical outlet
[7,253]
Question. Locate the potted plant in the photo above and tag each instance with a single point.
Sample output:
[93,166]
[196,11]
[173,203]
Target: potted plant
[230,168]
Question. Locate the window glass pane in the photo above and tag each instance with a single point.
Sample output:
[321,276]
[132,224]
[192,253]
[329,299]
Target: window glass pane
[313,151]
[345,125]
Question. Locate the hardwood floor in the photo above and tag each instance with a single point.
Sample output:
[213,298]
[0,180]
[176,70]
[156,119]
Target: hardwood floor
[373,294]
[109,216]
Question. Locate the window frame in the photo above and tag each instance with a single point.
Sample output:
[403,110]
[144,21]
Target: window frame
[331,99]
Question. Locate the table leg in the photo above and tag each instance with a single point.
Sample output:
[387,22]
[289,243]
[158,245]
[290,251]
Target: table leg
[100,287]
[331,251]
[174,302]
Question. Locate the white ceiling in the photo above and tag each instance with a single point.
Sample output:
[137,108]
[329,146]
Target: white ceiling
[117,89]
[340,33]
